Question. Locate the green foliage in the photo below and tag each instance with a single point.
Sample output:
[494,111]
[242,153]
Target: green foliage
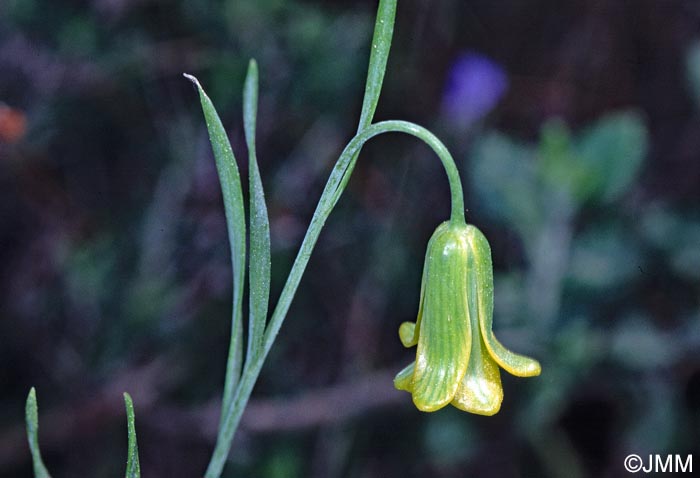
[604,257]
[237,391]
[611,151]
[233,405]
[236,224]
[32,420]
[682,254]
[133,468]
[515,201]
[587,251]
[260,263]
[560,176]
[599,164]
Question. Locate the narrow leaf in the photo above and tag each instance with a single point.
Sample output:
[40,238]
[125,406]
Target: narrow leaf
[235,220]
[259,223]
[32,418]
[381,44]
[133,468]
[379,55]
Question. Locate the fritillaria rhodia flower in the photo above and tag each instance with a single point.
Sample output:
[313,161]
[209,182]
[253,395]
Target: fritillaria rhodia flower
[458,356]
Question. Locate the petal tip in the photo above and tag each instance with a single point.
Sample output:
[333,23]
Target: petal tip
[428,407]
[480,405]
[404,379]
[535,369]
[488,412]
[407,334]
[529,368]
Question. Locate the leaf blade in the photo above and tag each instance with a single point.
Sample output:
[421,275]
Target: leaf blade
[32,420]
[260,262]
[381,44]
[133,467]
[230,180]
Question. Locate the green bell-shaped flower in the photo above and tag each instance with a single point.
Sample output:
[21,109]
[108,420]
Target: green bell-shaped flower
[458,356]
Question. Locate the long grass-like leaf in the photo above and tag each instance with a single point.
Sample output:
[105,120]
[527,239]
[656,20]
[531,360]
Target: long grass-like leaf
[133,468]
[381,43]
[32,418]
[260,263]
[341,172]
[235,220]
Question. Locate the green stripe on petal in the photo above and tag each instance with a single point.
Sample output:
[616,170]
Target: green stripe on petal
[480,391]
[405,337]
[444,335]
[515,364]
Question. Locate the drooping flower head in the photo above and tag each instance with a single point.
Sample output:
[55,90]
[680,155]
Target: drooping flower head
[458,357]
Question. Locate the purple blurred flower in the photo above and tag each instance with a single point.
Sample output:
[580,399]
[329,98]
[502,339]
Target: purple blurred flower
[475,83]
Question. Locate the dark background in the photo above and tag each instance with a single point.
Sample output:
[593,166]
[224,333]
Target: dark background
[582,168]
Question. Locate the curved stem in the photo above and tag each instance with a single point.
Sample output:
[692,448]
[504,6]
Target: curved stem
[331,194]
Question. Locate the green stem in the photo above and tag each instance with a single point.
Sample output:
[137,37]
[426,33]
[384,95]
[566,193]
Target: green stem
[331,194]
[379,54]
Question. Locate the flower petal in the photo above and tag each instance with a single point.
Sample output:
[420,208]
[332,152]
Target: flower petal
[408,331]
[408,335]
[444,335]
[404,379]
[480,391]
[481,286]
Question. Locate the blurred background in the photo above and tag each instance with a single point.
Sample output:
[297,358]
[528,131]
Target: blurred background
[576,127]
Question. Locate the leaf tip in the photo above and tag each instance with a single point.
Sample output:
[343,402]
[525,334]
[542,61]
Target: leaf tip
[31,407]
[250,88]
[133,468]
[193,79]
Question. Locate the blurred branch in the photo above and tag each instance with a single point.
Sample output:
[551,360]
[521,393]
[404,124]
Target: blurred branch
[48,73]
[325,406]
[334,404]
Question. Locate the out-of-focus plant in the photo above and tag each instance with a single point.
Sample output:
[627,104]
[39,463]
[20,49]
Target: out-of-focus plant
[475,84]
[587,243]
[457,356]
[539,191]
